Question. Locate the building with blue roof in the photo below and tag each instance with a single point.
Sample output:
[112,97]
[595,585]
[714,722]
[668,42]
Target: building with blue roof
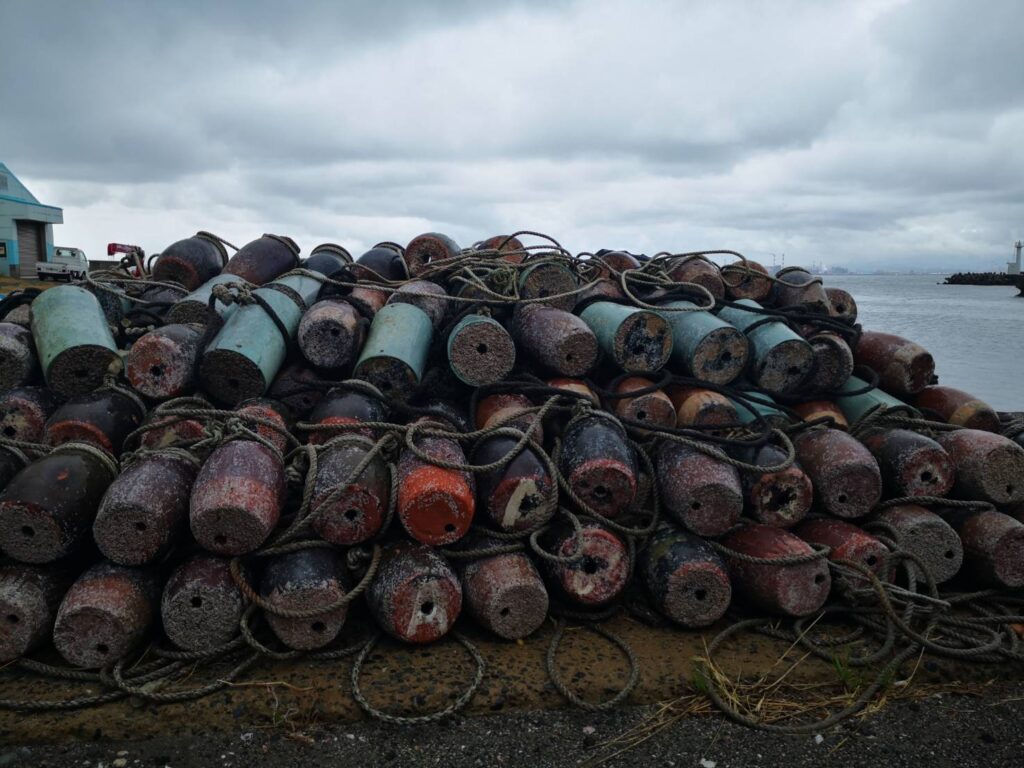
[26,227]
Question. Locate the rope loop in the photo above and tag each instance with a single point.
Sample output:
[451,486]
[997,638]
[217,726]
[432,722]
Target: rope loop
[458,704]
[571,696]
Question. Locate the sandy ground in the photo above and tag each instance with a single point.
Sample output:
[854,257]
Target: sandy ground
[412,680]
[941,730]
[300,713]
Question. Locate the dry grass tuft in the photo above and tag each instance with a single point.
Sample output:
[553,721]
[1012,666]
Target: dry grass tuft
[773,698]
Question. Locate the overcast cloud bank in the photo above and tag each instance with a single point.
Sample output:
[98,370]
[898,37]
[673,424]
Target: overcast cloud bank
[863,134]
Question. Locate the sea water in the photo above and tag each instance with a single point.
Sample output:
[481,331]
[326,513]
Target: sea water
[975,333]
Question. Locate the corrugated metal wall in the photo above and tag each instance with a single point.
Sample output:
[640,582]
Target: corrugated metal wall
[31,247]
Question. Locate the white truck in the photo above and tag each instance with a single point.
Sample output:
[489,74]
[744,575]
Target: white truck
[68,264]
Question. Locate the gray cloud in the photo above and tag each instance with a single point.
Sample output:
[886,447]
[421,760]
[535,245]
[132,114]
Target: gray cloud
[883,132]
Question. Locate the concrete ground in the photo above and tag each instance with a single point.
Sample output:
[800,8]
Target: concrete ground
[937,731]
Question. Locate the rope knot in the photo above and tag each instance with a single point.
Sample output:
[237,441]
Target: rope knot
[581,408]
[502,280]
[233,426]
[213,431]
[389,443]
[357,558]
[293,475]
[233,293]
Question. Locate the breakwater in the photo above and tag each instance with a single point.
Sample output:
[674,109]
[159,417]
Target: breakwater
[981,278]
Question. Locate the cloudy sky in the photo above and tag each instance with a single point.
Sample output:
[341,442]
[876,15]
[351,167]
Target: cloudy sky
[881,132]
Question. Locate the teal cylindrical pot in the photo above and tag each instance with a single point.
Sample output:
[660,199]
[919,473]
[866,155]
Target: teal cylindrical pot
[75,346]
[638,340]
[773,416]
[855,406]
[704,346]
[782,360]
[194,308]
[480,350]
[245,356]
[396,350]
[307,288]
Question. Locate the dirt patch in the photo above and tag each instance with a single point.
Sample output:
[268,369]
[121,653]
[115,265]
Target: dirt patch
[409,680]
[9,284]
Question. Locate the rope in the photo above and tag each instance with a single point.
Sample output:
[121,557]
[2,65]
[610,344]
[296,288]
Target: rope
[241,293]
[191,694]
[862,700]
[17,449]
[744,466]
[107,282]
[219,243]
[109,462]
[966,638]
[302,613]
[887,622]
[819,552]
[883,417]
[111,383]
[934,501]
[458,704]
[567,693]
[1012,424]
